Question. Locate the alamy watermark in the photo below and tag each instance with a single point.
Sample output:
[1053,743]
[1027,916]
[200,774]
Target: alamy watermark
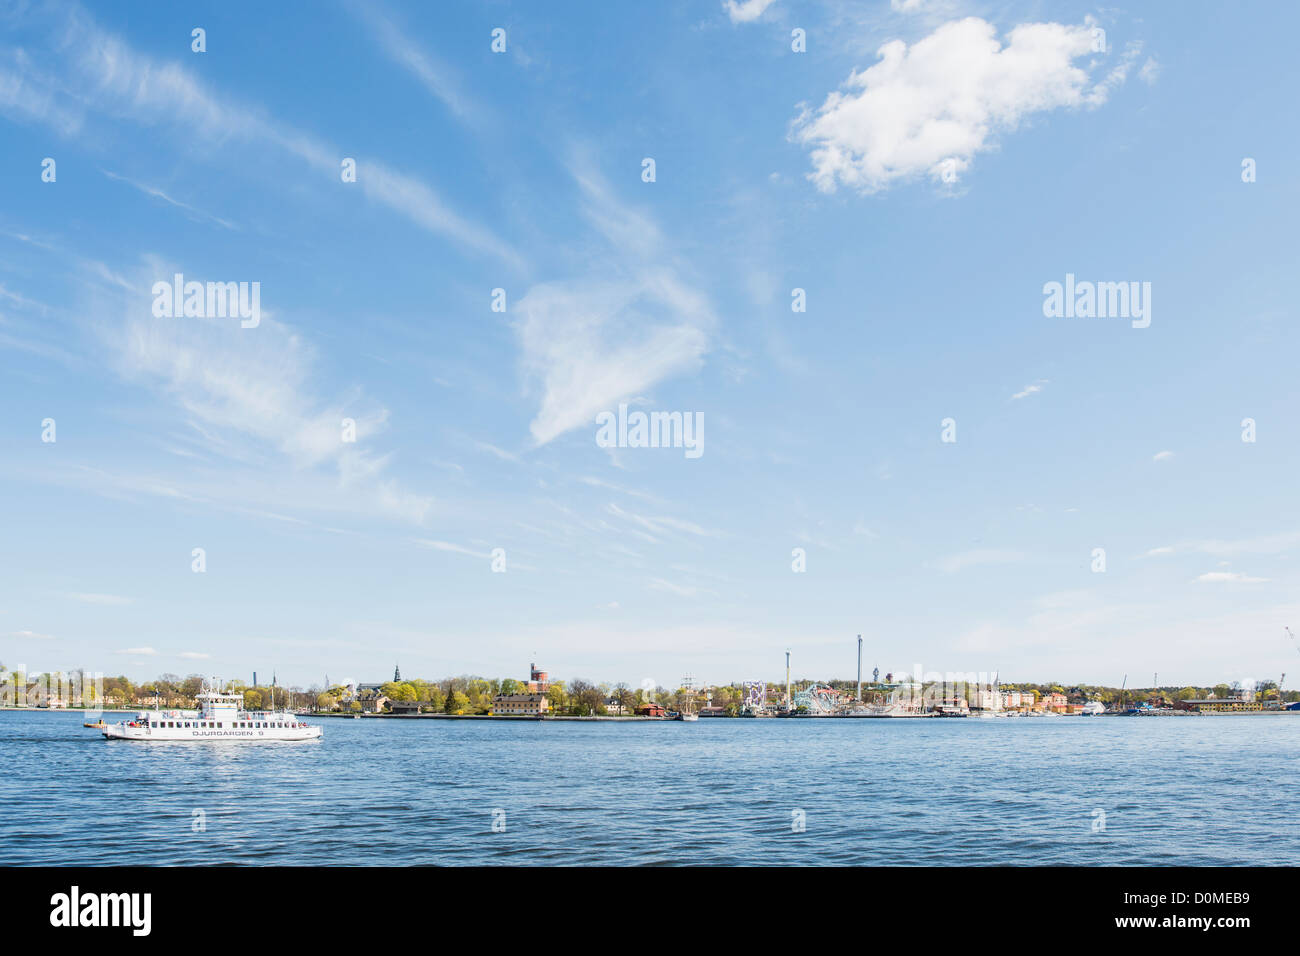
[651,430]
[208,300]
[80,690]
[1098,300]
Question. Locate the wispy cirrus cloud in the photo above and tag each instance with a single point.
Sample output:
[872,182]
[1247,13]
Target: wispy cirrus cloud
[1028,390]
[109,600]
[434,75]
[156,193]
[586,343]
[29,636]
[661,525]
[1230,577]
[979,556]
[681,590]
[449,546]
[99,74]
[255,398]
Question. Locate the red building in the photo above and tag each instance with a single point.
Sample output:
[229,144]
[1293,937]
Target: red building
[538,680]
[651,710]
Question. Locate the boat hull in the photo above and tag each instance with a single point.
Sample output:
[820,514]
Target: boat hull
[193,734]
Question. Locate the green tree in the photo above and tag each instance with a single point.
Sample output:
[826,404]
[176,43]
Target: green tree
[398,691]
[623,694]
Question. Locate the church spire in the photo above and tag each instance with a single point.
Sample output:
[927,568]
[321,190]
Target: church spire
[397,674]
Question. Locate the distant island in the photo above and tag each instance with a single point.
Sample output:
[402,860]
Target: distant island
[540,696]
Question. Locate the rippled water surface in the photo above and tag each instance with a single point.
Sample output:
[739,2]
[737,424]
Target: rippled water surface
[1173,790]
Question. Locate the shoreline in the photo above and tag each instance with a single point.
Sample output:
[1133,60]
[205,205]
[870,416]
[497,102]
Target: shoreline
[607,718]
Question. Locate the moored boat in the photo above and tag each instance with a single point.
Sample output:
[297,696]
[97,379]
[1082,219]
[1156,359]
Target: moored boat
[688,707]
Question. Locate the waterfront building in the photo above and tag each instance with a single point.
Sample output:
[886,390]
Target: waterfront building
[615,707]
[532,702]
[985,698]
[944,699]
[651,710]
[1053,702]
[1225,705]
[521,705]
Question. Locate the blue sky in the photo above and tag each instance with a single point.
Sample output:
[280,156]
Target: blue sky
[922,170]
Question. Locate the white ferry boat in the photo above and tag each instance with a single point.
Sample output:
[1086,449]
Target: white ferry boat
[220,717]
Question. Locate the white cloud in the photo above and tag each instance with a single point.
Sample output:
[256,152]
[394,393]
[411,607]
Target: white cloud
[907,6]
[681,590]
[746,11]
[1270,544]
[966,559]
[194,655]
[935,105]
[1029,390]
[30,636]
[588,343]
[1162,456]
[1230,577]
[1150,71]
[105,599]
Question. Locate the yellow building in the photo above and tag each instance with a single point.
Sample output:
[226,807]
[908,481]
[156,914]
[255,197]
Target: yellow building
[1226,705]
[520,705]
